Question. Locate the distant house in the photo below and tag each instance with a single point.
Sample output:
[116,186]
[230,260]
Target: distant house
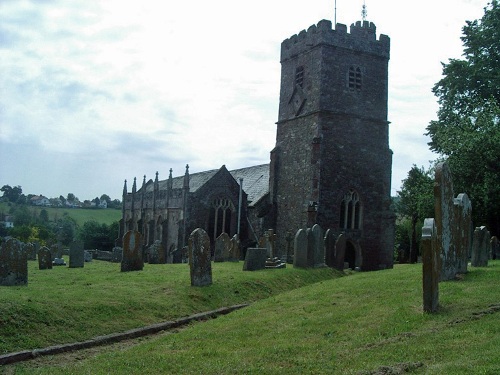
[8,221]
[40,200]
[103,204]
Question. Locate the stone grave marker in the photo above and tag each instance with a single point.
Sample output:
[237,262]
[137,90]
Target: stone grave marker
[495,248]
[117,254]
[132,252]
[44,258]
[255,259]
[199,254]
[76,254]
[480,247]
[330,248]
[235,249]
[319,246]
[13,264]
[156,254]
[430,266]
[463,230]
[289,247]
[300,249]
[222,248]
[87,256]
[340,246]
[30,251]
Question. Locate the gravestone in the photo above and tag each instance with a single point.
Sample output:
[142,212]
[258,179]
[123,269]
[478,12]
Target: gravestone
[340,246]
[30,251]
[44,258]
[463,230]
[480,247]
[289,247]
[156,255]
[311,246]
[235,249]
[330,248]
[87,256]
[222,248]
[117,254]
[444,220]
[76,254]
[13,264]
[132,252]
[199,255]
[255,259]
[270,237]
[300,249]
[495,248]
[430,266]
[319,246]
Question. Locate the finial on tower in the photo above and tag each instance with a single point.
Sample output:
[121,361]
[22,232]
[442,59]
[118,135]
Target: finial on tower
[364,12]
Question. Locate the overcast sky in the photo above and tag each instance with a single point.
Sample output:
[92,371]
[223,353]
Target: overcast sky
[96,92]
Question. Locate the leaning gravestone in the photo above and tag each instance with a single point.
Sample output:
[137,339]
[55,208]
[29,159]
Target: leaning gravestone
[300,249]
[430,266]
[13,264]
[76,254]
[340,246]
[199,253]
[444,221]
[330,248]
[44,258]
[319,246]
[132,252]
[255,259]
[463,230]
[480,247]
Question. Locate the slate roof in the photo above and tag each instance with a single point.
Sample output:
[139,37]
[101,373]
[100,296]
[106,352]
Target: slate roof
[255,181]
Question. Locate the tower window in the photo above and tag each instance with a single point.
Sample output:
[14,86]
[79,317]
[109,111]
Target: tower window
[350,211]
[354,78]
[299,76]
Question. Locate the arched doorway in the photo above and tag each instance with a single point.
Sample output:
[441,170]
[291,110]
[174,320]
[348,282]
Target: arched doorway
[350,255]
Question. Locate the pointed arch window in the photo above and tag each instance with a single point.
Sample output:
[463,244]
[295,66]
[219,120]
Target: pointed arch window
[355,78]
[221,214]
[351,211]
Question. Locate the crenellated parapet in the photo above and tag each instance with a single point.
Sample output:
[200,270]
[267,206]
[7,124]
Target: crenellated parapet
[362,36]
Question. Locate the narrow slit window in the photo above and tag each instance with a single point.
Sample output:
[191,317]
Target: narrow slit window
[299,76]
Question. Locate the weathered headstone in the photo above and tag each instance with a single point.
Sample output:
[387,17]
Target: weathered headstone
[480,247]
[76,254]
[117,254]
[300,249]
[270,243]
[289,247]
[132,252]
[44,258]
[30,250]
[340,246]
[330,248]
[495,248]
[156,254]
[444,221]
[319,246]
[87,256]
[430,266]
[311,246]
[13,264]
[222,248]
[463,230]
[255,259]
[235,249]
[200,265]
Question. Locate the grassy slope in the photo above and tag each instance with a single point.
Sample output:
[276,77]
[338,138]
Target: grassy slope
[81,215]
[341,325]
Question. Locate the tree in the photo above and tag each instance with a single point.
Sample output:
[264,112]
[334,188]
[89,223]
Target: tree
[467,131]
[106,198]
[98,236]
[416,203]
[12,193]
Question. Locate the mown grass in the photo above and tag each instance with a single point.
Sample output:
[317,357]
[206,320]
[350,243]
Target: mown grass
[360,324]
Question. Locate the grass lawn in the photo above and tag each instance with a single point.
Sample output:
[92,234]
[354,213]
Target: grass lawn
[301,321]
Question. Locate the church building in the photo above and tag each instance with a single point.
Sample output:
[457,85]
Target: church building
[331,164]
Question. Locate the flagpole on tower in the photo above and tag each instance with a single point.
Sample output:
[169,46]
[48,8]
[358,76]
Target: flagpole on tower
[335,15]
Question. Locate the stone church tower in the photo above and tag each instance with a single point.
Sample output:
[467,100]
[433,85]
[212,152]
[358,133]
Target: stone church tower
[332,161]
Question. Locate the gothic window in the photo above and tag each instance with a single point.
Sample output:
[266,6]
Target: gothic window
[299,76]
[220,216]
[354,78]
[350,211]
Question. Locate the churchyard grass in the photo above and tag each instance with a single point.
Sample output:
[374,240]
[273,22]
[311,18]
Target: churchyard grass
[358,324]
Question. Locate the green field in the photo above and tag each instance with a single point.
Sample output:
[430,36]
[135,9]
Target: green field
[80,215]
[298,322]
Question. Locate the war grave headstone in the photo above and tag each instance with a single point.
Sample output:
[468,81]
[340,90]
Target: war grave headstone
[444,221]
[199,255]
[132,252]
[222,248]
[463,230]
[300,249]
[430,266]
[44,258]
[495,248]
[13,264]
[480,247]
[340,246]
[255,259]
[234,249]
[319,246]
[330,248]
[156,254]
[76,254]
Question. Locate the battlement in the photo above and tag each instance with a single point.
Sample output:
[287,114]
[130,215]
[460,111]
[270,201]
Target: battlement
[362,37]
